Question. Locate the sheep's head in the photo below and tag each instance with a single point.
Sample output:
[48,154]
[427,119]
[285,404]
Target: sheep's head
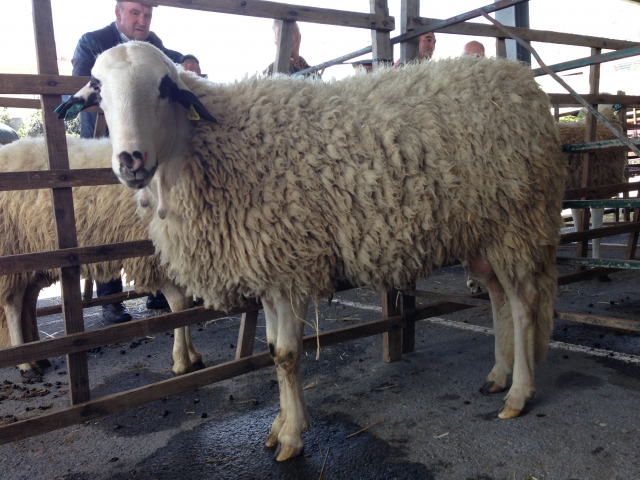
[146,105]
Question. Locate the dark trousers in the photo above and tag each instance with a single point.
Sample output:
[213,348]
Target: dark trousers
[109,288]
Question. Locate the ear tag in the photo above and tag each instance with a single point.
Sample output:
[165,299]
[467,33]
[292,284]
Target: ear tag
[193,115]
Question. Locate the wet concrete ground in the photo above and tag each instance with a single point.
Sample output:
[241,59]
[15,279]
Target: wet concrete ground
[583,423]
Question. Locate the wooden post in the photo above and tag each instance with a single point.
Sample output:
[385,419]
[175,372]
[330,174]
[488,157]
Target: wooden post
[62,199]
[556,112]
[501,48]
[382,50]
[588,158]
[247,335]
[101,126]
[283,46]
[409,331]
[409,9]
[391,340]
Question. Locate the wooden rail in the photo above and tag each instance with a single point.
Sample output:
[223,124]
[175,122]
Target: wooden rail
[285,11]
[39,179]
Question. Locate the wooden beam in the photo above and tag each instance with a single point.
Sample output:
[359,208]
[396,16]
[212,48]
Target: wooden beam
[81,341]
[392,339]
[283,47]
[408,9]
[382,49]
[247,334]
[61,198]
[567,100]
[94,302]
[39,179]
[484,30]
[13,102]
[603,191]
[24,84]
[73,257]
[619,229]
[118,402]
[284,11]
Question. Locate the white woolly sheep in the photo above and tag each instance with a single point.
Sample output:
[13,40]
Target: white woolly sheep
[608,165]
[104,214]
[375,179]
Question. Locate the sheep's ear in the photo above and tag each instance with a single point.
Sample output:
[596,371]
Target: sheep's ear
[88,96]
[178,92]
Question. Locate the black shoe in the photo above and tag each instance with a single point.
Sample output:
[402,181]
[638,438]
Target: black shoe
[157,302]
[115,313]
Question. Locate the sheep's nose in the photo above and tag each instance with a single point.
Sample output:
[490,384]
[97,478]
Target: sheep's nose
[133,161]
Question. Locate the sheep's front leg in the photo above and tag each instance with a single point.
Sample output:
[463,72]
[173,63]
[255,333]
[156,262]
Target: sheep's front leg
[29,315]
[293,418]
[185,357]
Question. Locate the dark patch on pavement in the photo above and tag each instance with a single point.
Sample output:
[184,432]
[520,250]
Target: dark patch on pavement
[234,448]
[577,380]
[160,415]
[627,375]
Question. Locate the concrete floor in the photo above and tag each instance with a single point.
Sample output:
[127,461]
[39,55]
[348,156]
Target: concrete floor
[434,423]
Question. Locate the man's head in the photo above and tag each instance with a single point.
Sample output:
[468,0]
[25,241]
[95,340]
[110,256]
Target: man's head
[297,37]
[191,63]
[134,19]
[475,49]
[426,46]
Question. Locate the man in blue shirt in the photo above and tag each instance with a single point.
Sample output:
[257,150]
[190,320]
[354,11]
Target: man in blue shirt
[133,21]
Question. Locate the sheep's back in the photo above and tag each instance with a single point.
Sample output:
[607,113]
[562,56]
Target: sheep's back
[375,179]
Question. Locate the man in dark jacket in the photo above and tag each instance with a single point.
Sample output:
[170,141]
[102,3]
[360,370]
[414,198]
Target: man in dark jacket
[133,21]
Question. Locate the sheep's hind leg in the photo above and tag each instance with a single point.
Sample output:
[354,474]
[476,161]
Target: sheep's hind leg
[522,299]
[288,348]
[496,381]
[13,311]
[29,316]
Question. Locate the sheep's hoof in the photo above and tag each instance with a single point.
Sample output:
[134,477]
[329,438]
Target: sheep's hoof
[491,387]
[508,412]
[272,440]
[287,452]
[182,371]
[32,373]
[44,363]
[199,365]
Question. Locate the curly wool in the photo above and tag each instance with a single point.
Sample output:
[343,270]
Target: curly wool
[104,214]
[608,165]
[375,179]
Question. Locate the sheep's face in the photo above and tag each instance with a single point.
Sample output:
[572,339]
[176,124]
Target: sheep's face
[145,105]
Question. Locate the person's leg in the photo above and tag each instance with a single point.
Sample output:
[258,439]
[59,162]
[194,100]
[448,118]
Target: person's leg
[157,302]
[115,312]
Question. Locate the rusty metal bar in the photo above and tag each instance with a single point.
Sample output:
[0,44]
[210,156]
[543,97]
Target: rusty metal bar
[586,61]
[608,203]
[596,146]
[575,95]
[599,262]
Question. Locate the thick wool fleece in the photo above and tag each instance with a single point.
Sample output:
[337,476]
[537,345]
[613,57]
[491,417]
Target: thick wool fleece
[608,165]
[375,179]
[104,214]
